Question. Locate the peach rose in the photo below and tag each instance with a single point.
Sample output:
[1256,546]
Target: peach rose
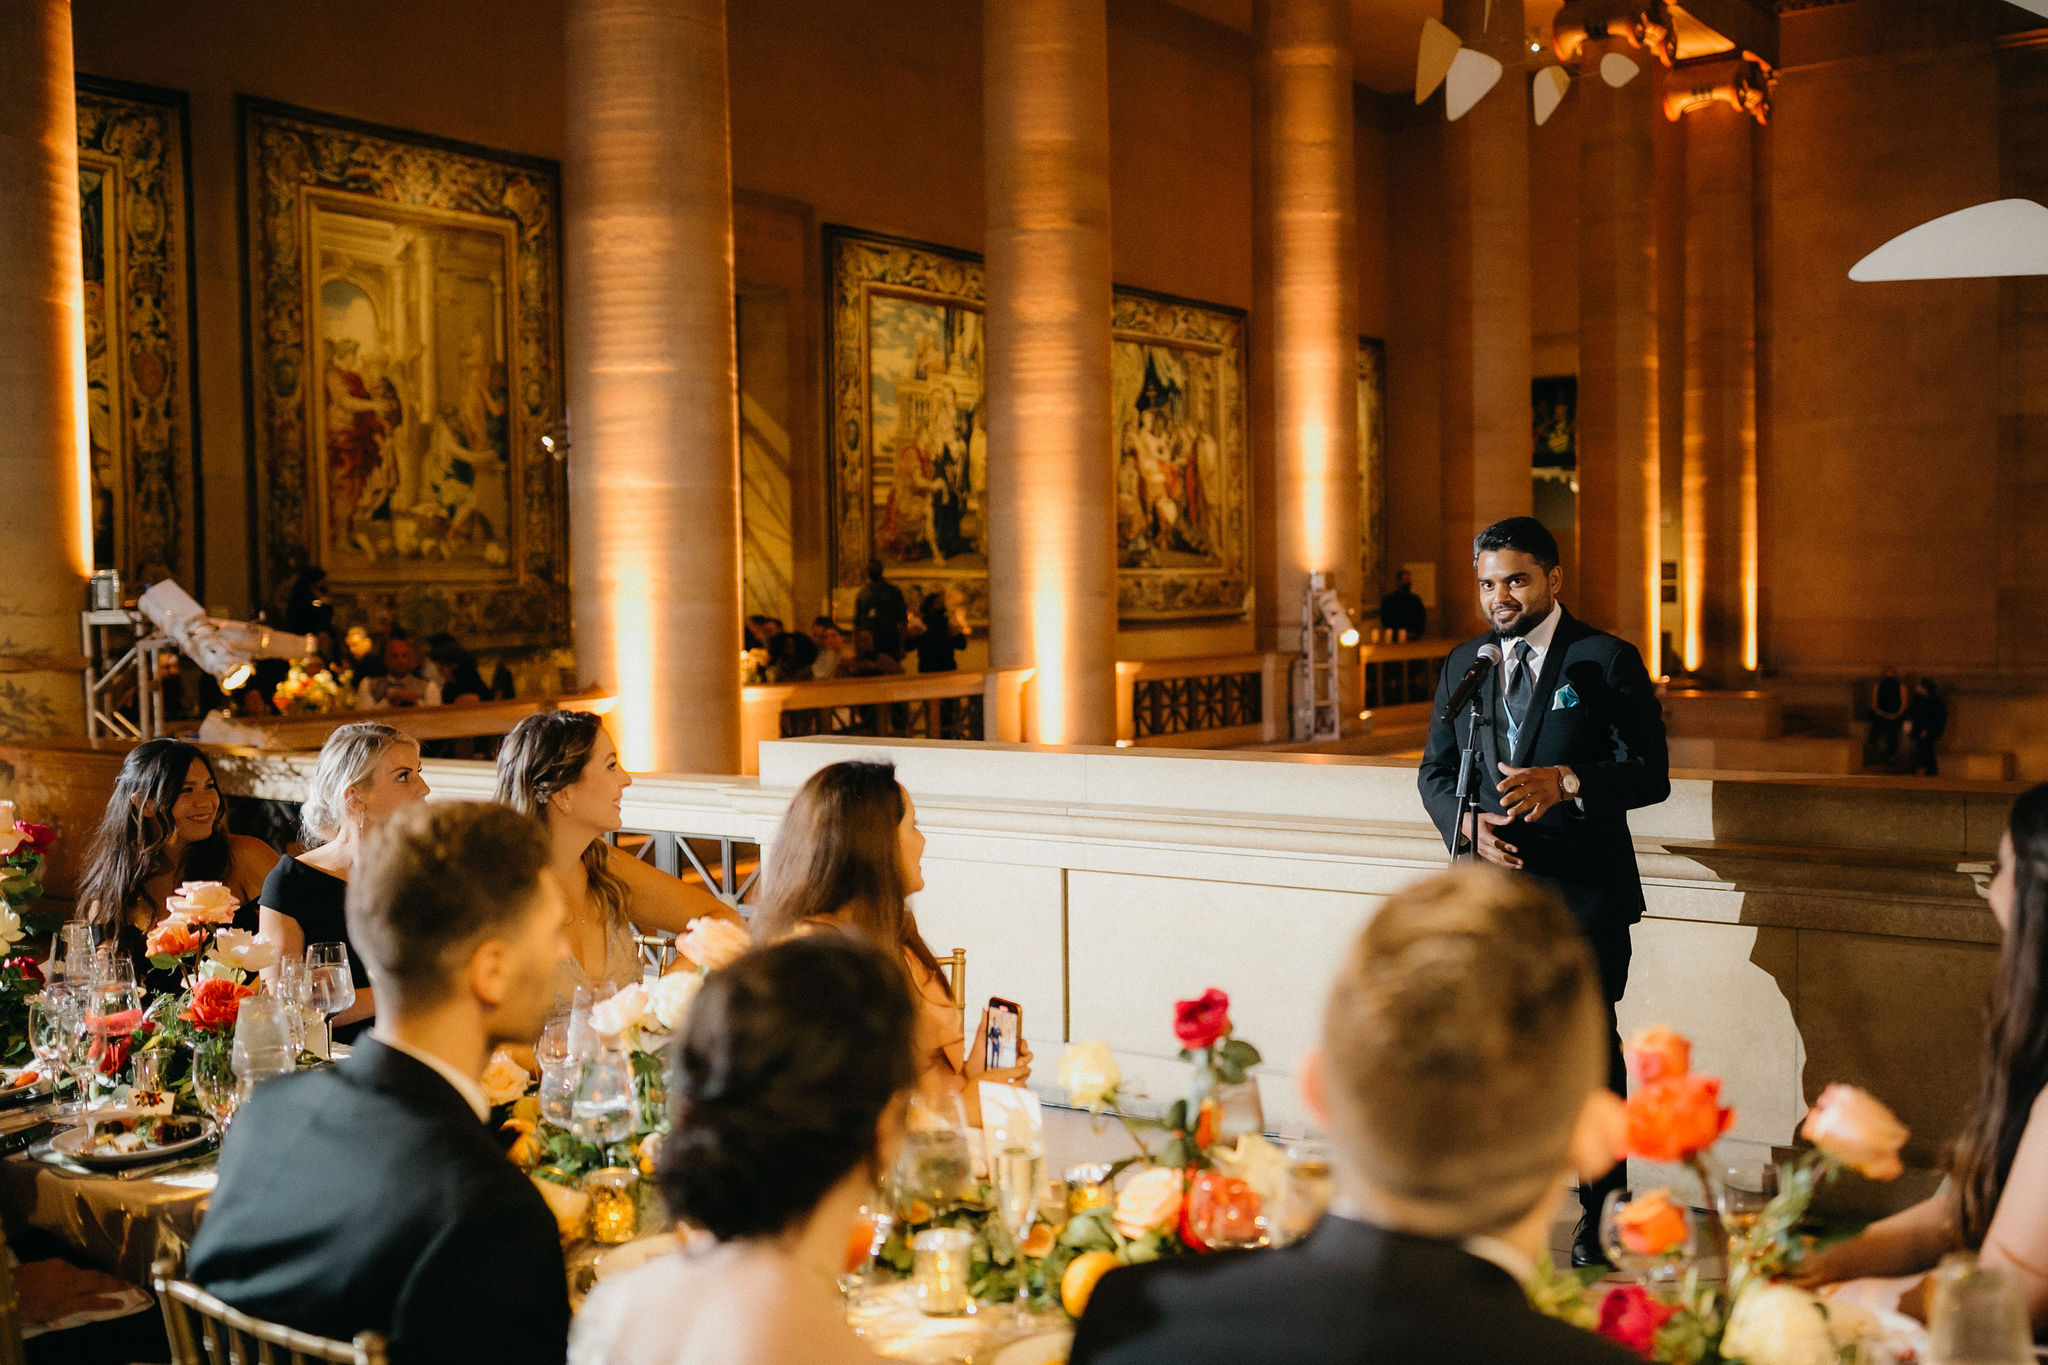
[204,903]
[1655,1053]
[1855,1128]
[1651,1225]
[1151,1201]
[10,837]
[175,937]
[624,1009]
[504,1080]
[1676,1118]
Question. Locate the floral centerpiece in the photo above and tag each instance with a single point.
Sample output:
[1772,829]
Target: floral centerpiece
[1752,1313]
[23,847]
[217,965]
[317,691]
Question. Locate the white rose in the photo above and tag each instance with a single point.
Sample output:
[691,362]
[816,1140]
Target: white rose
[1258,1163]
[504,1080]
[242,950]
[204,902]
[10,837]
[623,1010]
[1090,1075]
[1779,1324]
[670,998]
[11,931]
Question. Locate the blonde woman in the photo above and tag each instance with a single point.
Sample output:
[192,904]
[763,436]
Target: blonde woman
[367,773]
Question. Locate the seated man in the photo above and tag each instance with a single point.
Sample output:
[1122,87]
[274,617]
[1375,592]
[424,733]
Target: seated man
[371,1195]
[1461,1080]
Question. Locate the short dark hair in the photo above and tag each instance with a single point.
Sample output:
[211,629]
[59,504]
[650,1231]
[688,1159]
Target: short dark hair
[790,1058]
[1525,534]
[433,879]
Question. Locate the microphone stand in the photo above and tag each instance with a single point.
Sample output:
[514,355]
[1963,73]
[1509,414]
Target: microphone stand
[1468,788]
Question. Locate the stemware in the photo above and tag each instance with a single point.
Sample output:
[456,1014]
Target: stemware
[604,1106]
[112,1010]
[1624,1248]
[262,1044]
[560,1070]
[933,1167]
[1741,1195]
[213,1079]
[293,986]
[333,984]
[76,964]
[1306,1194]
[54,1034]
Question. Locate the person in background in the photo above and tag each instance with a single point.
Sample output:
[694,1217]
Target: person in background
[791,657]
[1461,1078]
[761,631]
[831,643]
[881,611]
[938,636]
[847,858]
[1926,723]
[460,678]
[404,680]
[786,1093]
[367,773]
[866,661]
[1995,1202]
[371,1195]
[1887,717]
[1403,610]
[307,610]
[166,824]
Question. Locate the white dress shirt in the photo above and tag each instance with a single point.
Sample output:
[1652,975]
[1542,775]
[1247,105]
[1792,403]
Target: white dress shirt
[1538,639]
[471,1090]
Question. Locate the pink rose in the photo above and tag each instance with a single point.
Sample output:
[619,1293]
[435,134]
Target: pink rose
[1855,1128]
[1199,1023]
[204,902]
[1149,1202]
[1630,1317]
[1655,1053]
[37,837]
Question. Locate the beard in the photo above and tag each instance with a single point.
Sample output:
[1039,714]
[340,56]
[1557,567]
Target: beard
[1526,622]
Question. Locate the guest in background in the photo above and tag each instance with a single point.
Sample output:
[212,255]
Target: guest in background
[1887,716]
[1995,1202]
[1403,610]
[367,773]
[761,631]
[1462,1081]
[403,681]
[847,858]
[881,611]
[938,637]
[1926,723]
[867,661]
[165,824]
[459,677]
[307,610]
[364,654]
[787,1092]
[371,1195]
[563,769]
[831,643]
[791,656]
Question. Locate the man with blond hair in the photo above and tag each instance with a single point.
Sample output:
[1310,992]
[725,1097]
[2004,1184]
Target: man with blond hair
[1461,1078]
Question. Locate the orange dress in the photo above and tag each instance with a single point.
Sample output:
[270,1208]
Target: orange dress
[940,1044]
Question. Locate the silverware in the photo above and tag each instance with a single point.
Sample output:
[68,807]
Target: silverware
[199,1158]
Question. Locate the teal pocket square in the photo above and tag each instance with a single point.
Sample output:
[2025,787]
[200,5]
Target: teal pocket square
[1564,698]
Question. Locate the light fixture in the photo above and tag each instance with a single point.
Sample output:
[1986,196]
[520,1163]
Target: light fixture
[1335,617]
[2003,238]
[226,649]
[554,438]
[1326,631]
[1547,90]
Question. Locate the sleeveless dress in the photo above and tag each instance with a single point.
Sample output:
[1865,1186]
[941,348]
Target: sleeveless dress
[622,965]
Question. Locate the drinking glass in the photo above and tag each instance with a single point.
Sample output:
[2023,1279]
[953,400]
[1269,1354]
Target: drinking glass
[53,1031]
[1741,1194]
[1305,1195]
[1017,1175]
[262,1046]
[147,1077]
[1624,1249]
[1224,1211]
[294,987]
[112,967]
[1976,1316]
[333,984]
[112,1011]
[559,1072]
[933,1168]
[77,959]
[604,1106]
[213,1079]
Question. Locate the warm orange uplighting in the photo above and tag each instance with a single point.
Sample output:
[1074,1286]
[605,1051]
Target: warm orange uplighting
[632,670]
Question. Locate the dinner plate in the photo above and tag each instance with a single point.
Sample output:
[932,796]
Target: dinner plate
[71,1145]
[15,1096]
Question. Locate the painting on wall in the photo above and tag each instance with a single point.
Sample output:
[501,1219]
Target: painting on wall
[141,387]
[909,462]
[1372,469]
[1554,459]
[405,342]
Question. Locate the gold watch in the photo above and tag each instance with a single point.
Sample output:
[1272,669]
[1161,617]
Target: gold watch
[1568,783]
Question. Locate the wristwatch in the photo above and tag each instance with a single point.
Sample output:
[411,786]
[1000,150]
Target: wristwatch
[1568,783]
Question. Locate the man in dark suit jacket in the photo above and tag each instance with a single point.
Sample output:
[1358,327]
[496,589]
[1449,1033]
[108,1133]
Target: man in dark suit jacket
[370,1196]
[1571,739]
[1447,1177]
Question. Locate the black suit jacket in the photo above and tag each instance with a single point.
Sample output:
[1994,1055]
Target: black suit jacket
[366,1196]
[1351,1294]
[1608,728]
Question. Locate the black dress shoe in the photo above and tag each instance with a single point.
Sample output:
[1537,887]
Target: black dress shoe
[1586,1252]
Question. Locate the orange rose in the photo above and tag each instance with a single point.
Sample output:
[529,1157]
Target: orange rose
[216,1003]
[1150,1200]
[175,937]
[1677,1118]
[1651,1225]
[1655,1053]
[1854,1127]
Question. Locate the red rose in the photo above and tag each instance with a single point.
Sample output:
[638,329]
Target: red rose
[37,837]
[29,968]
[1630,1317]
[216,1002]
[1200,1023]
[113,1055]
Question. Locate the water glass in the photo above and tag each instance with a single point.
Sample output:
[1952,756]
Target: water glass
[933,1168]
[77,959]
[1741,1194]
[1976,1315]
[262,1046]
[1644,1266]
[1305,1196]
[940,1268]
[294,988]
[147,1076]
[604,1106]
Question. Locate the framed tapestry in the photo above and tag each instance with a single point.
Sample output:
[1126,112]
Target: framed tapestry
[1372,468]
[142,410]
[909,443]
[405,352]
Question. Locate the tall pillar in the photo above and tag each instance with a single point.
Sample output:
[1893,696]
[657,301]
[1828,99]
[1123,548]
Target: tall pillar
[654,482]
[45,535]
[1051,468]
[1305,302]
[1721,104]
[1619,492]
[1486,447]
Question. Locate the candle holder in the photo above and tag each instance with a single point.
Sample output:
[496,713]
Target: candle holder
[1088,1188]
[614,1209]
[940,1270]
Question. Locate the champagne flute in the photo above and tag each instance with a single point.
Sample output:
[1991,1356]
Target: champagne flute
[52,1032]
[334,984]
[213,1080]
[1018,1172]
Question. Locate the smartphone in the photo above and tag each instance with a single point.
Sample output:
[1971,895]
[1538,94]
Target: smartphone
[1005,1028]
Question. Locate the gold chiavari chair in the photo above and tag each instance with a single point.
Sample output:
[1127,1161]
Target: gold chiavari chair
[205,1331]
[954,966]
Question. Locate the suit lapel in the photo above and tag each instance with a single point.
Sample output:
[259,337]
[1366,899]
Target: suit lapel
[1546,686]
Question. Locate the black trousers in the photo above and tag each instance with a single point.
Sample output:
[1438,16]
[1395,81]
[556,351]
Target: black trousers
[1594,1194]
[1612,950]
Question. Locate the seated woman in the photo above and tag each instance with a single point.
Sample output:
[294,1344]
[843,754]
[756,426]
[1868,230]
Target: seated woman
[848,857]
[787,1093]
[562,768]
[367,773]
[1996,1202]
[166,824]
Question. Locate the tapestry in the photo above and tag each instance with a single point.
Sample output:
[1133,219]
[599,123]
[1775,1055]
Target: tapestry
[1372,468]
[406,354]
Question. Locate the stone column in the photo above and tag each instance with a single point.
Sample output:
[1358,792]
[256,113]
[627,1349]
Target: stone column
[45,534]
[653,459]
[1051,468]
[1619,493]
[1305,304]
[1486,445]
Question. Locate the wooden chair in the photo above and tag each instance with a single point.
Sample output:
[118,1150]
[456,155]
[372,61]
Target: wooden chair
[205,1331]
[954,966]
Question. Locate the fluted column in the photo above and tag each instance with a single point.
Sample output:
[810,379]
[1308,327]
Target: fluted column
[1486,309]
[1051,470]
[654,456]
[1619,481]
[45,537]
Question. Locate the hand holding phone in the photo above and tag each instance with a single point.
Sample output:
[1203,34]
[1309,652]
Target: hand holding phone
[1005,1030]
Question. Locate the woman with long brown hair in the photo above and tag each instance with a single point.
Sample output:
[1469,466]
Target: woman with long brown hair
[165,824]
[1996,1202]
[848,857]
[563,769]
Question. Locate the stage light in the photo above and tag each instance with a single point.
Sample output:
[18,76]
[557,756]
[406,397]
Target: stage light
[1336,618]
[226,649]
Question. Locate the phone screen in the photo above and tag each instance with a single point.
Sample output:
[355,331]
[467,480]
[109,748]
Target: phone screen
[1005,1027]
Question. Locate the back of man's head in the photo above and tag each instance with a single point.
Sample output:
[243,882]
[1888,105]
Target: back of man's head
[433,883]
[1462,1038]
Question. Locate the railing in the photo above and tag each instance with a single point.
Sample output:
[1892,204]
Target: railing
[460,720]
[1206,703]
[1398,676]
[898,706]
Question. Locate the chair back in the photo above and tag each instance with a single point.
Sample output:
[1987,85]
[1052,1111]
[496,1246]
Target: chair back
[954,965]
[205,1331]
[657,953]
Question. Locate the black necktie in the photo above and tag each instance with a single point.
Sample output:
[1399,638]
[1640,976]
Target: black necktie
[1520,686]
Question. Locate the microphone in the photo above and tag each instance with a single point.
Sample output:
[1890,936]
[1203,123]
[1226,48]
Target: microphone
[1474,679]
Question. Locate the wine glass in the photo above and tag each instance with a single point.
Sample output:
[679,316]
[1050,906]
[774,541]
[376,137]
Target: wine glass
[262,1042]
[559,1072]
[933,1168]
[1740,1196]
[213,1079]
[53,1034]
[1305,1196]
[294,988]
[1653,1247]
[604,1106]
[333,984]
[113,1009]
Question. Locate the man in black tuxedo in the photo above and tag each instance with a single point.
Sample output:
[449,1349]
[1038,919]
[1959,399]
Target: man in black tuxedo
[370,1196]
[1459,1078]
[1571,739]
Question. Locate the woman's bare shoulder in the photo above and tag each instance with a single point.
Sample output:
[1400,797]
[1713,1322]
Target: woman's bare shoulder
[251,858]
